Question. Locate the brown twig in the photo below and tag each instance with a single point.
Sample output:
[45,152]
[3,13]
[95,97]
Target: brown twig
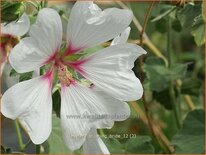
[145,22]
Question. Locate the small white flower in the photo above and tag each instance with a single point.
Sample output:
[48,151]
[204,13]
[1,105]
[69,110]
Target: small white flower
[9,31]
[16,28]
[108,69]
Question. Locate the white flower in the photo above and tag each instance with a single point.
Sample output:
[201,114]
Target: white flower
[93,143]
[16,28]
[11,30]
[108,69]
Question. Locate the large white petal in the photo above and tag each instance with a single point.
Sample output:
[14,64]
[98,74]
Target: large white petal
[122,38]
[118,110]
[78,101]
[44,41]
[16,28]
[94,144]
[89,25]
[31,102]
[111,70]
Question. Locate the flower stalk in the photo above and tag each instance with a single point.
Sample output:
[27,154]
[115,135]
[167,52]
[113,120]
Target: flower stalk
[19,135]
[38,149]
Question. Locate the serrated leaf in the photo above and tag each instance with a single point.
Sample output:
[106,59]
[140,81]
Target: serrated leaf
[192,17]
[159,76]
[140,145]
[190,139]
[198,30]
[187,15]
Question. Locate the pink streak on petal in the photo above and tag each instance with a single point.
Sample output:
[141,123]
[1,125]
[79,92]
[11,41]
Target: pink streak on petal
[48,77]
[51,58]
[77,65]
[71,50]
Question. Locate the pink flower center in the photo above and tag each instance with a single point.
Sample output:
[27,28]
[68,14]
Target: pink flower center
[61,66]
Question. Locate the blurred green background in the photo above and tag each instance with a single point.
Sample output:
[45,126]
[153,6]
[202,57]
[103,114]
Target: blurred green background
[170,118]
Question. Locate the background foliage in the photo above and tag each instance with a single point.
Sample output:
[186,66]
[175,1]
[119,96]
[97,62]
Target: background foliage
[170,116]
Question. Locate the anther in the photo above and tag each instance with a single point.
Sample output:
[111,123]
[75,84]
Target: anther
[65,76]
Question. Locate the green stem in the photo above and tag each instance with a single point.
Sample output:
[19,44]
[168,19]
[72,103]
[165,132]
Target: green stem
[38,149]
[19,136]
[27,144]
[169,43]
[171,88]
[101,132]
[174,105]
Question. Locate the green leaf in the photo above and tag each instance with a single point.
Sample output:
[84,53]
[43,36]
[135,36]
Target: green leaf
[140,145]
[13,73]
[22,76]
[114,146]
[190,139]
[163,98]
[156,70]
[161,25]
[191,86]
[55,143]
[176,25]
[178,71]
[159,76]
[198,30]
[192,17]
[25,76]
[187,15]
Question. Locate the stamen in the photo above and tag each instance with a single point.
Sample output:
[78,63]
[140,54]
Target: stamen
[65,76]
